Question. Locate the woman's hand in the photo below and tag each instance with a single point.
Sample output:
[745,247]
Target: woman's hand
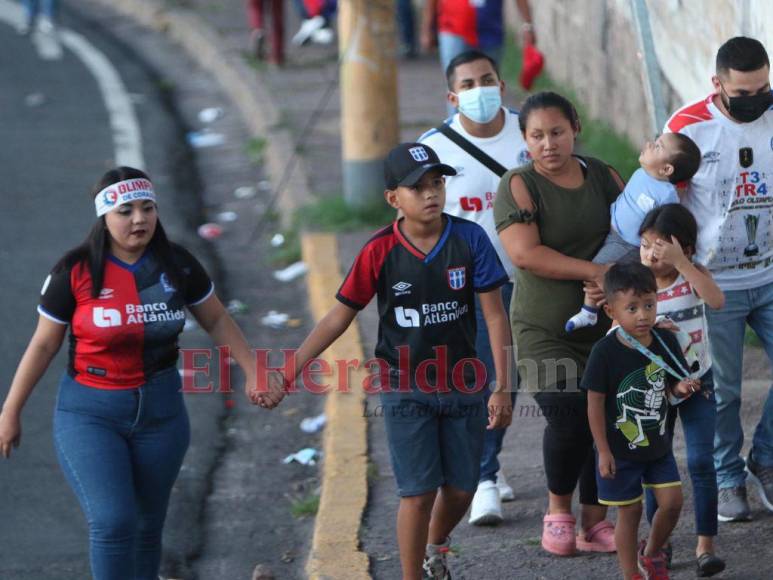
[10,432]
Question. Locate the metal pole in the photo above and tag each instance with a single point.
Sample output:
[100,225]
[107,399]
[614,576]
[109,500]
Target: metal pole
[650,70]
[369,112]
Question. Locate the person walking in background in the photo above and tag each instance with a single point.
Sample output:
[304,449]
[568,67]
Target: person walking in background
[317,24]
[482,129]
[120,425]
[257,17]
[731,196]
[456,26]
[40,13]
[552,216]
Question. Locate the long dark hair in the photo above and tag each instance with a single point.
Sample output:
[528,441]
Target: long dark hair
[94,249]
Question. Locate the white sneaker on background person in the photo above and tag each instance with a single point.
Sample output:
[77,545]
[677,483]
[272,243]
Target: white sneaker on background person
[323,35]
[486,509]
[307,29]
[46,25]
[506,492]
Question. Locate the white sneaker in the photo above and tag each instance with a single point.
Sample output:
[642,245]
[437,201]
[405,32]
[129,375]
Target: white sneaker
[486,507]
[46,25]
[506,492]
[308,27]
[323,36]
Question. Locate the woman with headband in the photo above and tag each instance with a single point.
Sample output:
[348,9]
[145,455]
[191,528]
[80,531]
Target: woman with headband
[120,425]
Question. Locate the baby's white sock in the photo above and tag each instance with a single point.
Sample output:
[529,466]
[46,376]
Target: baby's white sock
[588,316]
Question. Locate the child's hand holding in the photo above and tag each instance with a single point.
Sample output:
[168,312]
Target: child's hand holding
[270,395]
[606,465]
[686,388]
[670,253]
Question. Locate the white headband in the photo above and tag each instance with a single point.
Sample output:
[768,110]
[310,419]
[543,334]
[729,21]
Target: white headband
[122,192]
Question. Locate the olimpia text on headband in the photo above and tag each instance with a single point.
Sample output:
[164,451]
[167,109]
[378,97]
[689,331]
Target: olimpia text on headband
[126,191]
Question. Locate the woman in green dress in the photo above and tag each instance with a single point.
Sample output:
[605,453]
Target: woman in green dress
[552,216]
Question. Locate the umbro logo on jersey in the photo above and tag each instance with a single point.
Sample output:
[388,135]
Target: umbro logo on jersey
[457,278]
[419,154]
[168,288]
[105,293]
[402,288]
[711,157]
[106,317]
[407,317]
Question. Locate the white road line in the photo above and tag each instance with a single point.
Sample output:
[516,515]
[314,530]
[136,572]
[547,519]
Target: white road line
[127,139]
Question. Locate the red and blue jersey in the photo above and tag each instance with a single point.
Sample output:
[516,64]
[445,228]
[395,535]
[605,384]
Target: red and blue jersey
[128,332]
[479,22]
[425,300]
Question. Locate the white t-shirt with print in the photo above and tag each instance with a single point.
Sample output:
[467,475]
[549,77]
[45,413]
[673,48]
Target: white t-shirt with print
[470,194]
[731,195]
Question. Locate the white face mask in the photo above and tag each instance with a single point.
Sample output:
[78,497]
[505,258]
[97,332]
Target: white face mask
[480,104]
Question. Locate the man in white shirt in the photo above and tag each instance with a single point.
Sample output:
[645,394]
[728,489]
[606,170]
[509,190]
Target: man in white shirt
[476,90]
[732,199]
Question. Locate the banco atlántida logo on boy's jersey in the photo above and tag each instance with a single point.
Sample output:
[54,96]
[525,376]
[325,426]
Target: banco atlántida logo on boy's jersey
[429,314]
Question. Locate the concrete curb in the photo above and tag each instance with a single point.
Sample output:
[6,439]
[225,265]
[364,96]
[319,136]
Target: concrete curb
[335,549]
[238,80]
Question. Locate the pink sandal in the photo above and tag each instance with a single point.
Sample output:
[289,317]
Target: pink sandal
[558,534]
[600,538]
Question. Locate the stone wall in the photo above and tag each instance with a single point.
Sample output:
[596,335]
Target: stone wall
[592,47]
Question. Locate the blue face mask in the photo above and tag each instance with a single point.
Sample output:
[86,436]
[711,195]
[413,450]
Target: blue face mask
[480,104]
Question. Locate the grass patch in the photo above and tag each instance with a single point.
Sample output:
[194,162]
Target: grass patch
[305,507]
[372,472]
[255,149]
[751,338]
[597,138]
[289,252]
[334,214]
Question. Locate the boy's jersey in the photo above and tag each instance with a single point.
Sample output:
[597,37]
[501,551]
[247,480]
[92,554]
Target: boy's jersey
[426,302]
[731,195]
[470,193]
[635,389]
[130,330]
[479,22]
[682,305]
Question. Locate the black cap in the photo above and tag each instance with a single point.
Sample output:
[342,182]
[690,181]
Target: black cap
[408,162]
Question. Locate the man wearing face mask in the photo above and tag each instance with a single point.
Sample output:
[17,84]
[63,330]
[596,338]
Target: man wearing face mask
[732,198]
[482,126]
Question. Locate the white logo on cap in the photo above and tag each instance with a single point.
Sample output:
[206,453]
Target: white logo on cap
[419,153]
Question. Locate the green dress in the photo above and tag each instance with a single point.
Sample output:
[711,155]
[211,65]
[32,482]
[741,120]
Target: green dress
[574,222]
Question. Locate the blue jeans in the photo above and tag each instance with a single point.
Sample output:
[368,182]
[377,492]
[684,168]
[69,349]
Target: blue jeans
[32,7]
[405,24]
[726,333]
[492,442]
[699,417]
[451,45]
[121,451]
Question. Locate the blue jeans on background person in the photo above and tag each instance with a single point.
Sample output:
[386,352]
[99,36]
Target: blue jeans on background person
[698,415]
[406,26]
[492,443]
[727,328]
[46,7]
[451,45]
[121,451]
